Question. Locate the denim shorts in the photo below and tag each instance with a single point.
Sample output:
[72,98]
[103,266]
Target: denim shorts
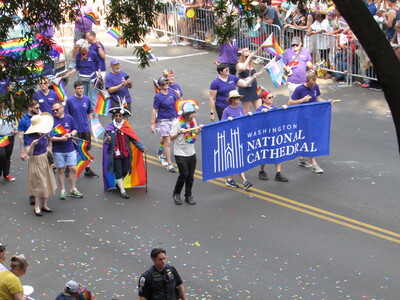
[65,159]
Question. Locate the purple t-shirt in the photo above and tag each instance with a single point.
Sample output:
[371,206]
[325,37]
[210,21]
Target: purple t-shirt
[83,24]
[79,108]
[68,123]
[228,52]
[113,79]
[223,88]
[88,65]
[46,101]
[41,146]
[95,49]
[165,105]
[299,70]
[233,112]
[176,87]
[261,107]
[3,85]
[302,91]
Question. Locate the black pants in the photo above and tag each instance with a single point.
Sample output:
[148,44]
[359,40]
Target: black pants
[219,111]
[121,167]
[5,157]
[186,166]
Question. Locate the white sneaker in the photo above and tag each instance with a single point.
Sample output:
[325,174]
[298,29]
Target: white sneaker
[164,162]
[184,43]
[316,169]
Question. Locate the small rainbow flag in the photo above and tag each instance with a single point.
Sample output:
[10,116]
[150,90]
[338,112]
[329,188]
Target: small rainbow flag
[260,89]
[272,46]
[58,86]
[4,141]
[156,86]
[82,149]
[59,129]
[91,16]
[81,165]
[150,55]
[103,103]
[115,33]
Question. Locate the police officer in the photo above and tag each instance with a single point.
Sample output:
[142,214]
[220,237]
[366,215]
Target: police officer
[161,281]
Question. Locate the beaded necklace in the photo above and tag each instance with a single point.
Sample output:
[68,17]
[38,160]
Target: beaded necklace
[190,135]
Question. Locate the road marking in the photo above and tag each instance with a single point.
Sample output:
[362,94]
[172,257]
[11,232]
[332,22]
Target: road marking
[129,59]
[298,206]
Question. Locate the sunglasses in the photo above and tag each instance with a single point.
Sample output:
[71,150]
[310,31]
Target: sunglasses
[295,45]
[55,110]
[270,97]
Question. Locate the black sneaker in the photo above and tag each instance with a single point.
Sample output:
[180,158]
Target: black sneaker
[262,175]
[177,199]
[280,177]
[90,173]
[31,200]
[190,200]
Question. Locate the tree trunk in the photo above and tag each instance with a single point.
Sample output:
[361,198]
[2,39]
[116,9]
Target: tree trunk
[379,51]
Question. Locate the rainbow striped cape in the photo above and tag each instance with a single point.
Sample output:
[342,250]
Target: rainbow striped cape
[137,177]
[4,141]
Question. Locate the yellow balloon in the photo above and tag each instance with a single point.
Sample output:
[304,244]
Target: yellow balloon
[190,13]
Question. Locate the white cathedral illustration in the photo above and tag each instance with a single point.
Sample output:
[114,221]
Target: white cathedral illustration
[229,152]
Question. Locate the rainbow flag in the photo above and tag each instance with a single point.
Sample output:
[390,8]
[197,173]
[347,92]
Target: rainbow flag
[4,141]
[103,103]
[92,17]
[115,33]
[82,149]
[58,86]
[53,45]
[272,46]
[260,89]
[137,177]
[59,129]
[150,55]
[81,165]
[156,86]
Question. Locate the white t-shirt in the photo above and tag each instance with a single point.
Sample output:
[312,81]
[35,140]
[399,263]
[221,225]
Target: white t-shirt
[181,147]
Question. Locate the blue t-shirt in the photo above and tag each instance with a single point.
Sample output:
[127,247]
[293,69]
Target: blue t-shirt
[372,8]
[223,88]
[79,108]
[113,79]
[95,49]
[23,125]
[233,112]
[302,91]
[68,123]
[46,101]
[165,105]
[3,85]
[41,146]
[261,107]
[89,65]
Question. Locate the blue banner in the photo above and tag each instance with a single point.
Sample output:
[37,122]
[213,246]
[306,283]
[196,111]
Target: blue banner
[232,147]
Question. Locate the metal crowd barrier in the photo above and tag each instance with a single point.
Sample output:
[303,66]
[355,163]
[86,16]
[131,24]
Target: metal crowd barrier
[343,58]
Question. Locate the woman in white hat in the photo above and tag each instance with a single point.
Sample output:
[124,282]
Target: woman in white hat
[41,181]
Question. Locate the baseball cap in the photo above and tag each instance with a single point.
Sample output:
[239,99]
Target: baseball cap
[114,61]
[72,286]
[296,40]
[264,94]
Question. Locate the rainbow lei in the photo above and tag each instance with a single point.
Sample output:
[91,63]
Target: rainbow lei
[190,136]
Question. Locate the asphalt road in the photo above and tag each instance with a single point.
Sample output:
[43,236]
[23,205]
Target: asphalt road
[328,236]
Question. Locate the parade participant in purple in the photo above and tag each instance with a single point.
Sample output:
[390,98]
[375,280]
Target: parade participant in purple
[228,54]
[64,151]
[118,85]
[267,103]
[97,47]
[80,108]
[169,75]
[41,182]
[45,96]
[118,137]
[23,125]
[296,60]
[88,65]
[307,93]
[245,67]
[163,114]
[220,88]
[184,150]
[234,110]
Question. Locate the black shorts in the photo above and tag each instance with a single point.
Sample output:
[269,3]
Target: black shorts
[86,136]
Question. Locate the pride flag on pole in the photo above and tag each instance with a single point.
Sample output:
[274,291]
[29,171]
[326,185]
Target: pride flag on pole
[150,55]
[59,129]
[58,86]
[82,149]
[272,46]
[275,69]
[92,17]
[81,165]
[103,103]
